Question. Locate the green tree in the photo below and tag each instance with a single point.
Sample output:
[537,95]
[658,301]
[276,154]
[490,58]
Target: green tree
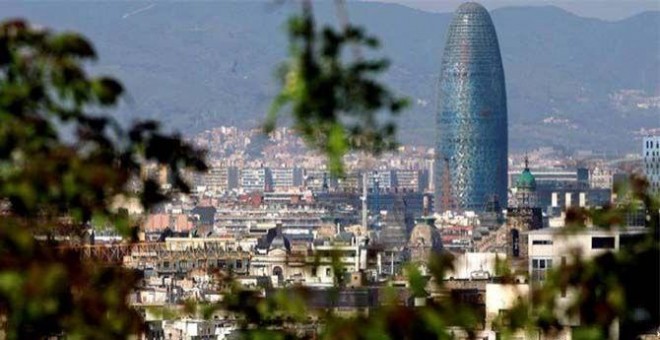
[62,164]
[615,287]
[337,104]
[335,114]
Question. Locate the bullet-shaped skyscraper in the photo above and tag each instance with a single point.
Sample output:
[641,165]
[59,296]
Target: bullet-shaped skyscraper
[471,145]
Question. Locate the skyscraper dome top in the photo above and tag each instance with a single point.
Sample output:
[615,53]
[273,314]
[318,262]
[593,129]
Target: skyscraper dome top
[473,13]
[471,40]
[469,7]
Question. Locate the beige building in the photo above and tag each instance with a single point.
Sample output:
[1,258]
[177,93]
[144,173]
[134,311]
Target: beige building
[555,247]
[551,247]
[314,266]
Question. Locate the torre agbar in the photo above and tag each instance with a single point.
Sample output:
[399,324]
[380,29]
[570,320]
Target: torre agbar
[471,145]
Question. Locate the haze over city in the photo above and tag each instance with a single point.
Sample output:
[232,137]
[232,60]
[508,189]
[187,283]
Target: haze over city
[330,170]
[601,9]
[232,49]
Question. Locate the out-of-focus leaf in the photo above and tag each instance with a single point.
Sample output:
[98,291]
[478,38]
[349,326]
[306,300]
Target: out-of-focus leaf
[107,90]
[70,44]
[58,188]
[324,92]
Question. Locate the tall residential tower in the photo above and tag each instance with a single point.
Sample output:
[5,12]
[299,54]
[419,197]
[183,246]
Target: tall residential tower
[471,145]
[651,155]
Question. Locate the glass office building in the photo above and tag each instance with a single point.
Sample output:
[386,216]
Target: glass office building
[471,145]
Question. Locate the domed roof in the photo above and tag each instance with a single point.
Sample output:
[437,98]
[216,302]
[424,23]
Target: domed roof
[470,7]
[274,239]
[425,235]
[280,242]
[526,179]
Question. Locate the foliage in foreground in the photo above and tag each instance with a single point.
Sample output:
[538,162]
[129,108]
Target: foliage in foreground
[336,105]
[62,164]
[613,288]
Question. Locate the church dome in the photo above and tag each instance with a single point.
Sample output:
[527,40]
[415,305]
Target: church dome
[425,235]
[526,179]
[280,242]
[275,239]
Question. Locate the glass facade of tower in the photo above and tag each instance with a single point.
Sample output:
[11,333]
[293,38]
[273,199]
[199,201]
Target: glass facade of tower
[471,145]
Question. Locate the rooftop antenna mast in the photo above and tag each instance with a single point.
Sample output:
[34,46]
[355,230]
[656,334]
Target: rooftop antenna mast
[366,164]
[364,199]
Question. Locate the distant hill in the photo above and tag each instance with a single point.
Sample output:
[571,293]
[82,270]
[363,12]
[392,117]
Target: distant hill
[572,82]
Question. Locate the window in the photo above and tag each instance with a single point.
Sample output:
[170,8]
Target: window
[542,242]
[563,265]
[541,263]
[277,271]
[540,267]
[602,243]
[515,242]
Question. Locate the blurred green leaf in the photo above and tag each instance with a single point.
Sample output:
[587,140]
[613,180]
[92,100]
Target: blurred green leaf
[70,44]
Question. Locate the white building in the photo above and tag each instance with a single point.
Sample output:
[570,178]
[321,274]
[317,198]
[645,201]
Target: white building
[313,268]
[184,329]
[554,247]
[384,179]
[259,179]
[469,266]
[315,179]
[286,178]
[412,180]
[551,247]
[600,177]
[651,154]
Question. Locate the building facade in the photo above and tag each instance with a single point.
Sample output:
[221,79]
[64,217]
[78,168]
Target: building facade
[550,248]
[259,179]
[471,145]
[412,180]
[286,178]
[219,178]
[523,217]
[652,162]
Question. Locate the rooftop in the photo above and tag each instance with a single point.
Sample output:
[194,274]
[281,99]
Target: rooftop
[590,231]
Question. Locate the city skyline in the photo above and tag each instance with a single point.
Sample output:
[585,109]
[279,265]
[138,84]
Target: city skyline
[321,224]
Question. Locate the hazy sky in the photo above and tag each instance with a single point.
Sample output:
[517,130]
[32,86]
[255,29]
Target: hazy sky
[603,9]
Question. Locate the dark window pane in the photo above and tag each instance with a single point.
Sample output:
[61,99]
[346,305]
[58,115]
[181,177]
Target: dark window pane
[602,243]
